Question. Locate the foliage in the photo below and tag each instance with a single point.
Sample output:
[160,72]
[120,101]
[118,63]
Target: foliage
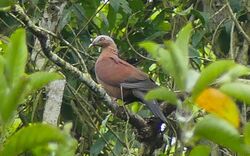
[192,49]
[16,85]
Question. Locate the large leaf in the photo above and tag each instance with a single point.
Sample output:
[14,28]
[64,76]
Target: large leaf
[192,77]
[222,133]
[200,150]
[6,3]
[162,93]
[31,137]
[171,60]
[216,102]
[16,56]
[247,134]
[233,73]
[210,74]
[182,41]
[237,90]
[12,99]
[39,79]
[3,84]
[152,48]
[158,52]
[179,63]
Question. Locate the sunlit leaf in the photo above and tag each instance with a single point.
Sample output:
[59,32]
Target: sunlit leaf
[247,133]
[182,41]
[233,73]
[12,99]
[237,90]
[200,150]
[6,3]
[152,48]
[210,74]
[16,56]
[31,137]
[192,77]
[221,132]
[174,59]
[162,93]
[3,84]
[180,64]
[216,102]
[135,106]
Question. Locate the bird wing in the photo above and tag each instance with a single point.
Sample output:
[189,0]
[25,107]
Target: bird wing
[116,72]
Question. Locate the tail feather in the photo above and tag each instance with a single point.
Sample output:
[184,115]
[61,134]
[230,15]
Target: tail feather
[152,105]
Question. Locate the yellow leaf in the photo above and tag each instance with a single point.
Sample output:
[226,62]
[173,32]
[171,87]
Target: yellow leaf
[218,103]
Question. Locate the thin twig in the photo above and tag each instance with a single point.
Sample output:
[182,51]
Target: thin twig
[231,50]
[237,23]
[132,47]
[87,23]
[78,96]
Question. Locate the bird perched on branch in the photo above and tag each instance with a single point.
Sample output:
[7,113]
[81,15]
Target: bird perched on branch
[121,79]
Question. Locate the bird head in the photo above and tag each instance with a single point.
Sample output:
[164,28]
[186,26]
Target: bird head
[102,41]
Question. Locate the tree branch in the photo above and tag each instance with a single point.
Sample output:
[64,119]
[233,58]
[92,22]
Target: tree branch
[237,23]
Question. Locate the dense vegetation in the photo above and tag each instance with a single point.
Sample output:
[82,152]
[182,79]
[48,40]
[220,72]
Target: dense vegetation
[196,51]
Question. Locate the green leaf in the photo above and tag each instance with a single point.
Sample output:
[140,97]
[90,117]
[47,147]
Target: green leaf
[16,56]
[31,137]
[171,60]
[233,73]
[111,18]
[210,74]
[6,3]
[200,150]
[90,6]
[203,16]
[162,93]
[125,6]
[135,107]
[3,84]
[192,77]
[197,37]
[116,4]
[237,90]
[136,5]
[100,143]
[247,133]
[179,64]
[182,41]
[118,147]
[152,48]
[12,99]
[40,79]
[221,132]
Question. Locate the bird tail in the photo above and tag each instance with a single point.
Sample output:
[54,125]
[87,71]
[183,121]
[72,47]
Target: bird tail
[152,105]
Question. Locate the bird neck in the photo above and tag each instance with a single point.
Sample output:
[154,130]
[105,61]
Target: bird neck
[110,49]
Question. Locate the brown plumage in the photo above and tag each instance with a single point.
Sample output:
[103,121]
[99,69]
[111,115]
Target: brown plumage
[120,79]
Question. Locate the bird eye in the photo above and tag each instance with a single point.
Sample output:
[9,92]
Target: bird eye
[102,39]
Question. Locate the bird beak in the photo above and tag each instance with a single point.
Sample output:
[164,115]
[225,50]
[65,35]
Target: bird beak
[91,45]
